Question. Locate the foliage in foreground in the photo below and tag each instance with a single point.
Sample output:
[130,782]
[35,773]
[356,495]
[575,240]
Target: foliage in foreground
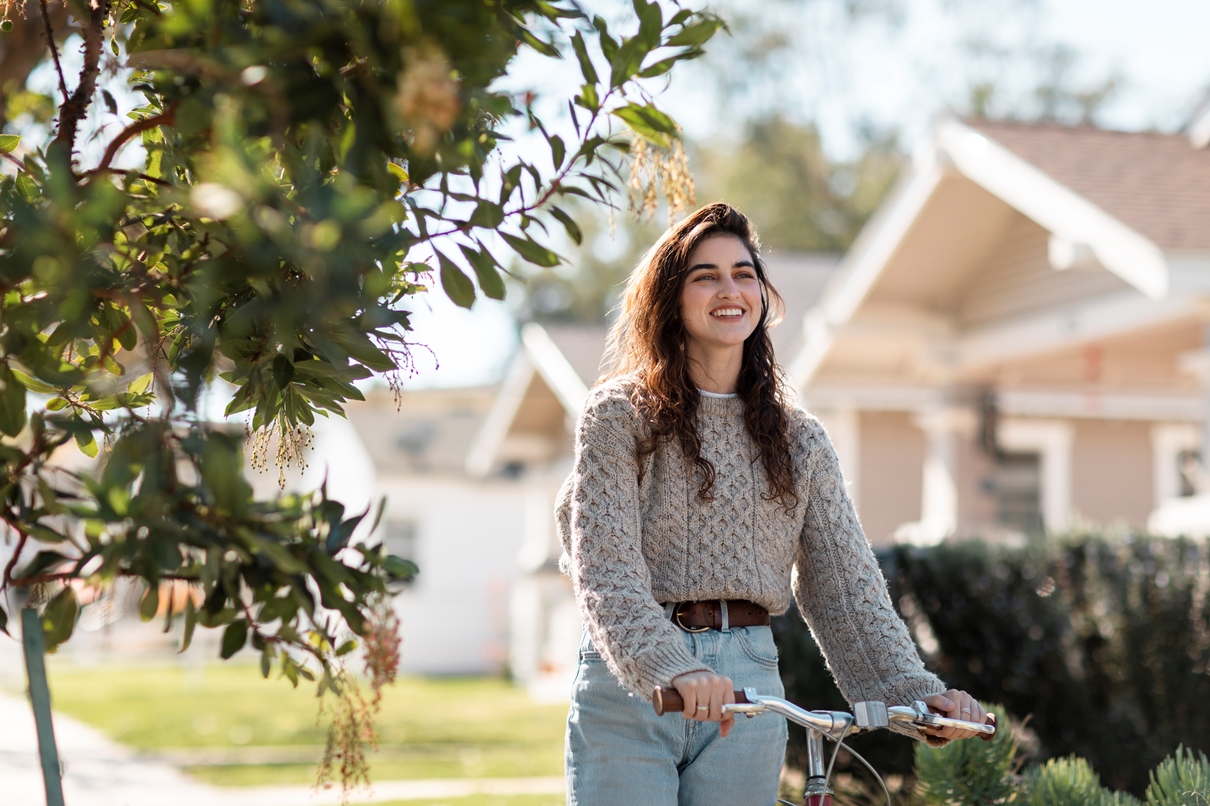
[311,166]
[1102,641]
[975,773]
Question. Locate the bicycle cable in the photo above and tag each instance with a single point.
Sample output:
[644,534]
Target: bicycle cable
[827,778]
[869,767]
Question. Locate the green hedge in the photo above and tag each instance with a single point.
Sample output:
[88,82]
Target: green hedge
[1103,642]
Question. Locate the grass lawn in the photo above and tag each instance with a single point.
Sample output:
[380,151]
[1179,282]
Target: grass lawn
[248,731]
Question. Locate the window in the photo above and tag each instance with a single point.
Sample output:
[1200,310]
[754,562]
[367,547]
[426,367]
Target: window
[1018,486]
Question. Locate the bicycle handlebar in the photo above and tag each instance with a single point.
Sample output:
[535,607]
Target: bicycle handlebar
[831,723]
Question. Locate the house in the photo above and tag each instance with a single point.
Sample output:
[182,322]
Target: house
[1018,338]
[463,532]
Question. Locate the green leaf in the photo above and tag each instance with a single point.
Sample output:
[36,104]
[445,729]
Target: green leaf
[545,48]
[12,402]
[9,143]
[697,34]
[139,385]
[234,638]
[457,285]
[573,229]
[346,648]
[557,151]
[399,568]
[664,65]
[649,122]
[222,473]
[33,384]
[586,65]
[488,215]
[190,623]
[486,271]
[149,605]
[283,371]
[86,442]
[532,251]
[588,98]
[59,618]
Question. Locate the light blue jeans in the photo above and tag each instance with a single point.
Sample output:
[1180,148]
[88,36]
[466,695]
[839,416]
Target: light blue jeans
[619,753]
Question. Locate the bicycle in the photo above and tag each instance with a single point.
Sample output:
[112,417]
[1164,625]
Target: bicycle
[834,725]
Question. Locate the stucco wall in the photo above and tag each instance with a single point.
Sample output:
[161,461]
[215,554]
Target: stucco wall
[892,462]
[1112,471]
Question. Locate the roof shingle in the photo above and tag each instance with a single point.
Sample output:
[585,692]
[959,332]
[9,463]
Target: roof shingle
[1156,184]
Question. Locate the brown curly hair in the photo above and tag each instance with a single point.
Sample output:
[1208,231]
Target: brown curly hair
[648,340]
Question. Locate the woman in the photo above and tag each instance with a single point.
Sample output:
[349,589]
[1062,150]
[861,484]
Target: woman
[699,502]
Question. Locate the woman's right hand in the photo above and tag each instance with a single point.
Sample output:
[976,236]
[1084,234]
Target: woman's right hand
[704,694]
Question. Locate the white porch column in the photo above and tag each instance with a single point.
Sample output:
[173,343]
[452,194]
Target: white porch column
[943,428]
[1052,440]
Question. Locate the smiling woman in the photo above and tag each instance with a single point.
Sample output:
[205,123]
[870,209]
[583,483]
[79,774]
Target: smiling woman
[721,305]
[698,492]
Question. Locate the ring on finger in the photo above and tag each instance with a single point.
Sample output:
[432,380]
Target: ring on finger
[703,708]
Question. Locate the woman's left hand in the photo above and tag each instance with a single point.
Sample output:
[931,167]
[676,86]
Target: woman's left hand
[956,705]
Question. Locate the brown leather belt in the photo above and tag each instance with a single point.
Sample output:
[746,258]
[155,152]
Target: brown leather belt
[708,615]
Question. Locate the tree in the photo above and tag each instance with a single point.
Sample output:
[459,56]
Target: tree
[311,166]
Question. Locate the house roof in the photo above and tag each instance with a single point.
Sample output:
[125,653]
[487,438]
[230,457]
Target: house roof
[428,431]
[1156,184]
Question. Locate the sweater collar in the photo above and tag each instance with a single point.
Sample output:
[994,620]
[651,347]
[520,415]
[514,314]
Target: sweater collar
[721,406]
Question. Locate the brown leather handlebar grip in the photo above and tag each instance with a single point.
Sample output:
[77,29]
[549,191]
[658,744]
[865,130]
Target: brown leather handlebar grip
[669,700]
[990,720]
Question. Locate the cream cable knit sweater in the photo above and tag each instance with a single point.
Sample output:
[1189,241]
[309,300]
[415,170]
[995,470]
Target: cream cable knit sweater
[630,545]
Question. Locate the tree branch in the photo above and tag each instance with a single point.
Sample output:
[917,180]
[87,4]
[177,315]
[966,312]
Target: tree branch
[54,51]
[75,108]
[12,563]
[167,117]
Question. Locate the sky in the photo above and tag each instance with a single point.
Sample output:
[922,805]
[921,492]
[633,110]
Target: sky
[905,76]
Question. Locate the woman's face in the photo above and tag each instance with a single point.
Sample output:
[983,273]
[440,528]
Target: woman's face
[721,295]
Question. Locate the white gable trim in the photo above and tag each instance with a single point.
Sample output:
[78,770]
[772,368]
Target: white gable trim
[1066,214]
[539,356]
[554,368]
[864,263]
[500,418]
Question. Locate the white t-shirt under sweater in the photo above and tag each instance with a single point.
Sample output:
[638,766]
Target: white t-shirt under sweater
[633,541]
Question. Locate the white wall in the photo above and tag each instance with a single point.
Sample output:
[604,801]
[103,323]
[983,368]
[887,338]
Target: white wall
[454,617]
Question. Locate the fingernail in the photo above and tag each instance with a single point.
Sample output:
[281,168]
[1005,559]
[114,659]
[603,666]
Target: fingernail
[949,704]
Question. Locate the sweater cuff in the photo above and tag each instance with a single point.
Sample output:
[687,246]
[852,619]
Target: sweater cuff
[905,692]
[664,662]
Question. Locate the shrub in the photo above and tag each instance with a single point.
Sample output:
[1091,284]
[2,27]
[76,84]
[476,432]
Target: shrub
[1103,642]
[1180,780]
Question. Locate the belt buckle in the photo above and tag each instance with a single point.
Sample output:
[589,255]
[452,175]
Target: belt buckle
[676,618]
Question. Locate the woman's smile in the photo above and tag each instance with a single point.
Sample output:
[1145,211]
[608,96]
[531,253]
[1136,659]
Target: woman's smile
[720,297]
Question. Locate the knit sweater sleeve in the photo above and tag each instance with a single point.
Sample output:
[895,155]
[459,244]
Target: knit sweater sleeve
[612,581]
[843,595]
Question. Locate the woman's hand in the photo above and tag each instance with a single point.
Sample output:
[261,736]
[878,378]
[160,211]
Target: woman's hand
[956,705]
[705,693]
